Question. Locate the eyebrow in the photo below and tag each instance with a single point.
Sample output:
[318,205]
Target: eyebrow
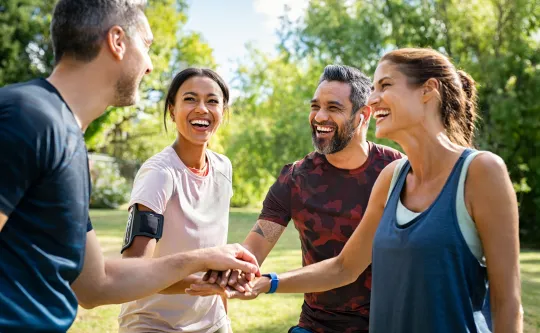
[195,94]
[381,80]
[329,102]
[336,103]
[384,78]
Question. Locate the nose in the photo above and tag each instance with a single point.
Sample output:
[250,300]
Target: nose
[321,116]
[201,107]
[374,98]
[150,67]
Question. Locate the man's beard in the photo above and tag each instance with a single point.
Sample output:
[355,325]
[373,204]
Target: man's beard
[126,90]
[337,143]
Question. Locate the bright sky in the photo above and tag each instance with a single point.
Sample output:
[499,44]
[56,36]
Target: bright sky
[227,25]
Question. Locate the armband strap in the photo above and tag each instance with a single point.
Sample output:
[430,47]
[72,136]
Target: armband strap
[139,223]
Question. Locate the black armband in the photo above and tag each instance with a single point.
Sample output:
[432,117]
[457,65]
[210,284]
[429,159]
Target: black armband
[139,223]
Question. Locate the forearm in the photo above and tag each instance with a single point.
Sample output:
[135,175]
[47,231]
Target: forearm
[259,252]
[134,278]
[181,286]
[322,276]
[508,318]
[262,239]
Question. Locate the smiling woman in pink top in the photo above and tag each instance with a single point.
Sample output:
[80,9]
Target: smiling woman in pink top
[189,187]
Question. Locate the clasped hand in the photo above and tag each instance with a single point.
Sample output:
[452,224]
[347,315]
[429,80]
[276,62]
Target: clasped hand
[231,284]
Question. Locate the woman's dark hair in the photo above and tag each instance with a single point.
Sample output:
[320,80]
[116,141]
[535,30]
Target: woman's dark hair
[187,74]
[457,88]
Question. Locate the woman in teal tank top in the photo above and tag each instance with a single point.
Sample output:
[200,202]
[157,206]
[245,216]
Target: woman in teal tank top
[425,278]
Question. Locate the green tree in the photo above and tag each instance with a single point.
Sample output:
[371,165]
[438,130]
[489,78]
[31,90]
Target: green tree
[270,122]
[496,41]
[25,51]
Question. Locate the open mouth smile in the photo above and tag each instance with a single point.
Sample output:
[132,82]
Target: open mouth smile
[200,124]
[381,114]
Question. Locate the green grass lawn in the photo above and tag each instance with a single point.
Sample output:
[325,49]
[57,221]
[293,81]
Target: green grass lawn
[268,313]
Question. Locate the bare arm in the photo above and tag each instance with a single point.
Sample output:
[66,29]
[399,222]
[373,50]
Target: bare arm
[349,264]
[143,247]
[262,238]
[493,206]
[3,220]
[260,241]
[123,280]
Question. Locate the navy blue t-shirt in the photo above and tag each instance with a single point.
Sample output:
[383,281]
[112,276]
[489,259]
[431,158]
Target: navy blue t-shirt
[45,192]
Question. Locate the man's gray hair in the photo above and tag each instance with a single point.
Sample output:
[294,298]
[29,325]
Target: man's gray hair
[360,84]
[79,26]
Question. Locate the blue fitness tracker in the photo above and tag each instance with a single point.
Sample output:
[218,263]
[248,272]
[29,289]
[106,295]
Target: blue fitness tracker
[274,281]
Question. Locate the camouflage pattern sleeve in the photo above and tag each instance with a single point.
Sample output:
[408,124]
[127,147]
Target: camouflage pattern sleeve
[277,204]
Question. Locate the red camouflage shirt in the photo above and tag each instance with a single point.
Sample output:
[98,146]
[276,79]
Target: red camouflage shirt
[326,205]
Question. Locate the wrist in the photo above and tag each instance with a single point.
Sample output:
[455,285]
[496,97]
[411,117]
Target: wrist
[262,285]
[193,261]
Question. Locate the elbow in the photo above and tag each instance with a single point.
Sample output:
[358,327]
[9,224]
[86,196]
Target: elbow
[347,273]
[91,298]
[87,303]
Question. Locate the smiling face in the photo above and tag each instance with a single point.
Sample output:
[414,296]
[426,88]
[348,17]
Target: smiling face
[198,109]
[396,105]
[331,119]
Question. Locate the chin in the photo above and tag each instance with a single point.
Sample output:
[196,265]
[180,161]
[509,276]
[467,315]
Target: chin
[381,133]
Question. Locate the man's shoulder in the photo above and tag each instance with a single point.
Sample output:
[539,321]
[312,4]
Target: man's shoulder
[306,164]
[31,106]
[385,153]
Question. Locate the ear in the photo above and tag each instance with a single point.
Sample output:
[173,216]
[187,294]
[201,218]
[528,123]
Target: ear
[171,111]
[430,90]
[116,42]
[363,115]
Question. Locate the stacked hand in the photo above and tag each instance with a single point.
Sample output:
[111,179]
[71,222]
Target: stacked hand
[231,283]
[232,256]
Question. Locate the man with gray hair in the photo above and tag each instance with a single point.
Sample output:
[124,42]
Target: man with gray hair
[325,194]
[50,256]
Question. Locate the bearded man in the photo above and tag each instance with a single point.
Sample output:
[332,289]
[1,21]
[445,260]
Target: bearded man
[325,194]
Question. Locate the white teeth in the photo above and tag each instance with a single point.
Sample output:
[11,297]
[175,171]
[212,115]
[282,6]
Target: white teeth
[200,122]
[324,129]
[381,113]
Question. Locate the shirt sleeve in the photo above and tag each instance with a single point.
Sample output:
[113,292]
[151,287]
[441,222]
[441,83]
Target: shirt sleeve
[231,178]
[153,187]
[89,226]
[277,204]
[19,165]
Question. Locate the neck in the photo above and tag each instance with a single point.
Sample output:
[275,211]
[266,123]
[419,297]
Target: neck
[351,157]
[192,155]
[85,89]
[429,153]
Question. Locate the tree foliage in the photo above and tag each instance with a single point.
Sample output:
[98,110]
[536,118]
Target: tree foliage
[496,41]
[25,51]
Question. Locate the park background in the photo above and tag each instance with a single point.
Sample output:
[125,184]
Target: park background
[496,41]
